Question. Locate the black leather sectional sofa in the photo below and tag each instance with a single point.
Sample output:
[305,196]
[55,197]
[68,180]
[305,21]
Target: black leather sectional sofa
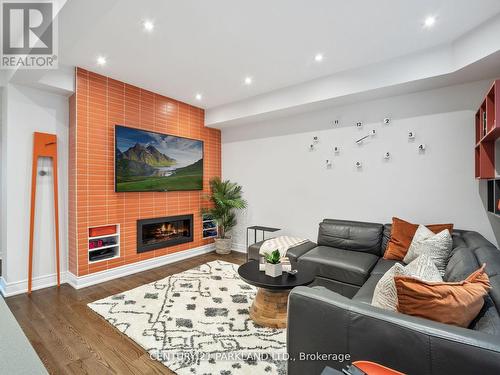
[334,315]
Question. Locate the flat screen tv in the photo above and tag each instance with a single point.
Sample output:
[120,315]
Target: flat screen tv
[149,161]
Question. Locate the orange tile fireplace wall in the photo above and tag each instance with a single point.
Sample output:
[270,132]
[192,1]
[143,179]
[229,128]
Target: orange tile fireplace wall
[97,106]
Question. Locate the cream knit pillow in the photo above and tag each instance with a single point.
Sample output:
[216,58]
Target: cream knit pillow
[437,246]
[385,294]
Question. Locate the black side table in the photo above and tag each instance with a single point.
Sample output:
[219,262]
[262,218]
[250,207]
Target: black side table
[257,228]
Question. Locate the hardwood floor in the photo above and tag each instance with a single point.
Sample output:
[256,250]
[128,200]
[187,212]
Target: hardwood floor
[72,339]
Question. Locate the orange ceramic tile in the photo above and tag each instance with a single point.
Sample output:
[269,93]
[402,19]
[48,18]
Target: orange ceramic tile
[98,105]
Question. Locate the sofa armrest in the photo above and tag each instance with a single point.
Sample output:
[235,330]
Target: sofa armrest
[322,321]
[293,253]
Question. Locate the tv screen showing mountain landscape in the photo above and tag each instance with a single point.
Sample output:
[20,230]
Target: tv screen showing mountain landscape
[148,161]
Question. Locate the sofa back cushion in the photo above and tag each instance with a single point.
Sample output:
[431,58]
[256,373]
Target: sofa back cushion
[463,259]
[351,235]
[470,250]
[386,237]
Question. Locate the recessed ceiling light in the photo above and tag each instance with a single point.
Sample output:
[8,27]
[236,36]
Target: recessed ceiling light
[318,57]
[429,22]
[148,26]
[248,80]
[198,96]
[101,60]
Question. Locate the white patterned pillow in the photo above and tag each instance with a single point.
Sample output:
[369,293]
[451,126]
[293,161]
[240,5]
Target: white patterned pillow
[437,246]
[385,294]
[423,233]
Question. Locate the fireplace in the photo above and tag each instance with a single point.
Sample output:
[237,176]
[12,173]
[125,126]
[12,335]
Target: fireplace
[163,232]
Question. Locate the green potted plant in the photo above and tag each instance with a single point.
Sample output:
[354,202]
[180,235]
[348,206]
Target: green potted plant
[226,198]
[273,264]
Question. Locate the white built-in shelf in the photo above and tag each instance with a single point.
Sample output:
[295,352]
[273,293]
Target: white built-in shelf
[114,247]
[104,236]
[103,247]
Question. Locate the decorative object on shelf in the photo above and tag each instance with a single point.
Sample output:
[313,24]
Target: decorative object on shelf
[336,149]
[485,122]
[96,243]
[209,226]
[359,124]
[328,163]
[422,147]
[226,197]
[102,231]
[387,155]
[411,134]
[358,164]
[44,146]
[273,264]
[386,121]
[101,254]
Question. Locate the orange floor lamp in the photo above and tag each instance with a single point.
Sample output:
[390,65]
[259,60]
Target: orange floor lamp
[44,145]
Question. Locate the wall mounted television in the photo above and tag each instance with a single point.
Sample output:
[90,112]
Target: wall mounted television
[150,161]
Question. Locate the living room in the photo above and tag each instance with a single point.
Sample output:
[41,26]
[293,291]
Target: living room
[257,187]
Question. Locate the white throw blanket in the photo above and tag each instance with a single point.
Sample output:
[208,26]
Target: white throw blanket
[281,243]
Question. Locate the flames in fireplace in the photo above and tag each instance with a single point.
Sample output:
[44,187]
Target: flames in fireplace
[162,232]
[154,233]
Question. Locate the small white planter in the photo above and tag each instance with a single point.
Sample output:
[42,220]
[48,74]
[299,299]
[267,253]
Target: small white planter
[274,270]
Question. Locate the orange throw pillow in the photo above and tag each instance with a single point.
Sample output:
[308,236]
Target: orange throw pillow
[402,233]
[456,303]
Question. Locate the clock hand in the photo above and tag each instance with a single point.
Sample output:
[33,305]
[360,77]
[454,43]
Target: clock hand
[362,139]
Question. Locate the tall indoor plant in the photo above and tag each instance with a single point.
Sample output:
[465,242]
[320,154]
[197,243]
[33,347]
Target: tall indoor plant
[226,197]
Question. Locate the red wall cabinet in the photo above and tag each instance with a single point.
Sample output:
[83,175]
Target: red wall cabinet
[487,132]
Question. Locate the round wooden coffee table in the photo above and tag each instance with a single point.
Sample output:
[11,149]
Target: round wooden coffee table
[269,307]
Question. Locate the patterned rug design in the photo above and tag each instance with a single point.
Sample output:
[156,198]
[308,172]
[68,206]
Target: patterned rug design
[197,322]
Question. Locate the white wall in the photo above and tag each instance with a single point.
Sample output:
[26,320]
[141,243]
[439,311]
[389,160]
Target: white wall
[30,110]
[290,187]
[1,164]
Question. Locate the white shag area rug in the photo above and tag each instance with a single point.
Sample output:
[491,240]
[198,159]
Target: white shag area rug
[197,322]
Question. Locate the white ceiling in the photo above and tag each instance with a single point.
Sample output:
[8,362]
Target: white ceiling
[210,46]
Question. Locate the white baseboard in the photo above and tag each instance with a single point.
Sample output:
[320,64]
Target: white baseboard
[2,286]
[78,282]
[39,282]
[239,247]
